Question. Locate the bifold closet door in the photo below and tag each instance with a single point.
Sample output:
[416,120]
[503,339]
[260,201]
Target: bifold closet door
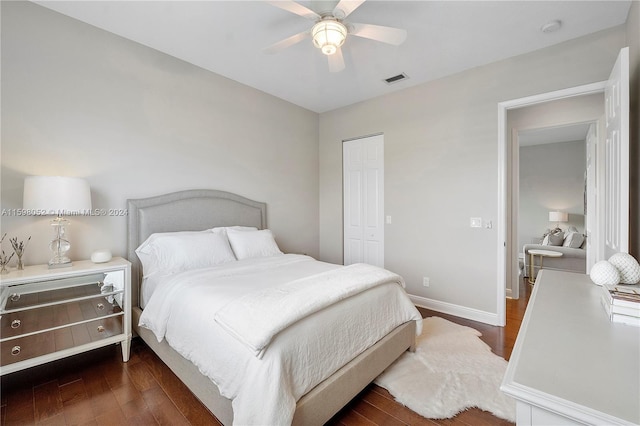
[363,192]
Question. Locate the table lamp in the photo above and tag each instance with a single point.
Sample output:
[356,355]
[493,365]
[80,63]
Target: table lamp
[59,196]
[558,217]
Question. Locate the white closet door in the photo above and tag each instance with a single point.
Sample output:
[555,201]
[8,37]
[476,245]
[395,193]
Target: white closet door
[353,197]
[616,224]
[363,176]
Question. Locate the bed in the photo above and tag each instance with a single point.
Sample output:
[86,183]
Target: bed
[198,210]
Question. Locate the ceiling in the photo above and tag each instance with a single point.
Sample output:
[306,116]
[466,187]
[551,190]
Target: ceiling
[444,37]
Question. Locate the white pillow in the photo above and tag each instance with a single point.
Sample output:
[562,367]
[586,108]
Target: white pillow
[247,245]
[173,252]
[573,240]
[223,229]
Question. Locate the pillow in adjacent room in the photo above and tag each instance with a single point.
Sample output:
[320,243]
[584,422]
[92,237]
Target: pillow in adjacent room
[556,239]
[573,240]
[173,252]
[553,239]
[247,245]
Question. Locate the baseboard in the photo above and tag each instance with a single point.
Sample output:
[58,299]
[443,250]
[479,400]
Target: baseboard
[457,310]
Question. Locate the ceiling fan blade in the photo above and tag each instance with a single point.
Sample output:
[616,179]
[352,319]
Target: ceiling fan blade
[295,8]
[345,7]
[390,35]
[283,44]
[336,61]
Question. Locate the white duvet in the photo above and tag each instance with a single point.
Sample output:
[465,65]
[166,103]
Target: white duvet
[264,389]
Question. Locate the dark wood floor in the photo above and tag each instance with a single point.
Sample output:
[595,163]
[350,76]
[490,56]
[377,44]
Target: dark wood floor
[97,388]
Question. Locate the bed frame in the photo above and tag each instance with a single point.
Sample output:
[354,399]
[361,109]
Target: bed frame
[196,210]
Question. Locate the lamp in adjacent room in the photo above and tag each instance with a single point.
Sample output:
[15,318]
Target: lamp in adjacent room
[558,217]
[60,196]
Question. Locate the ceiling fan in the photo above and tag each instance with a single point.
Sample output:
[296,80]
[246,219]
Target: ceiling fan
[330,31]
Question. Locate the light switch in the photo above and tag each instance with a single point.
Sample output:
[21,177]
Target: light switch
[388,220]
[476,222]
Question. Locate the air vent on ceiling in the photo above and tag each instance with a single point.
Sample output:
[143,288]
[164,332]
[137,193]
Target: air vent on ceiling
[396,78]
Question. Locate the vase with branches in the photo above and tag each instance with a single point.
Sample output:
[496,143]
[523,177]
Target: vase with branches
[4,259]
[18,249]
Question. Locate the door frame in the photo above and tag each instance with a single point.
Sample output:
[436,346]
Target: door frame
[503,179]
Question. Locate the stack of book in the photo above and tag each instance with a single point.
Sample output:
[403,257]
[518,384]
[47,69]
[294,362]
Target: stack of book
[622,303]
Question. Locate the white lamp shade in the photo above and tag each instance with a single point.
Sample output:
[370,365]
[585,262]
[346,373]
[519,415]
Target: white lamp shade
[56,195]
[558,217]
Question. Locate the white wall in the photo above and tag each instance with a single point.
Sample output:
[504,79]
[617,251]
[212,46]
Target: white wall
[441,166]
[551,178]
[134,122]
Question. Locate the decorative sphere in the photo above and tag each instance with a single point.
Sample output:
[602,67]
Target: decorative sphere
[627,266]
[604,272]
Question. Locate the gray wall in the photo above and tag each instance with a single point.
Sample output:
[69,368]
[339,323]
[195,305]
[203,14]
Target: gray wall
[551,178]
[134,122]
[441,165]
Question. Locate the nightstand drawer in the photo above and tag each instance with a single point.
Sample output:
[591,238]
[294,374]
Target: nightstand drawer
[54,291]
[23,348]
[33,320]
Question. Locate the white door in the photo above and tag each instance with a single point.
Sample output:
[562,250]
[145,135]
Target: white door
[363,180]
[616,185]
[591,225]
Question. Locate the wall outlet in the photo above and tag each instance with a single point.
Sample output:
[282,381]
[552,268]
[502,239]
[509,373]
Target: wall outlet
[425,281]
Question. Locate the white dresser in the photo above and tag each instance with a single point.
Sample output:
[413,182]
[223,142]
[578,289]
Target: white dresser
[570,365]
[47,314]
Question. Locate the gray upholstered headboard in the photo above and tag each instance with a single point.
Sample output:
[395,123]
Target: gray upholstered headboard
[193,210]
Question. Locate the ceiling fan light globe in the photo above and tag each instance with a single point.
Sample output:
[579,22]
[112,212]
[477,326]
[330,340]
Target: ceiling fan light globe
[329,49]
[328,35]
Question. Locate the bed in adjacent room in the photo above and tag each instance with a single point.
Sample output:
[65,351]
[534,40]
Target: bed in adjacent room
[259,336]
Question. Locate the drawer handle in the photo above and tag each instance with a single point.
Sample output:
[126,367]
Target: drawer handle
[100,329]
[15,297]
[100,306]
[15,323]
[15,350]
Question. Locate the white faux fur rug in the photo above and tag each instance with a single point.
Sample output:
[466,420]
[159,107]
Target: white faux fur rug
[451,370]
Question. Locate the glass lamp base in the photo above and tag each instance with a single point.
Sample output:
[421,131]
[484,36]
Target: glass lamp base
[59,262]
[59,245]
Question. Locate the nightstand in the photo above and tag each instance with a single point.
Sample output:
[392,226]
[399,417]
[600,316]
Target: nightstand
[48,314]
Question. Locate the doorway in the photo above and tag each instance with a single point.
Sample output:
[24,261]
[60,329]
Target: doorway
[507,180]
[614,166]
[548,158]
